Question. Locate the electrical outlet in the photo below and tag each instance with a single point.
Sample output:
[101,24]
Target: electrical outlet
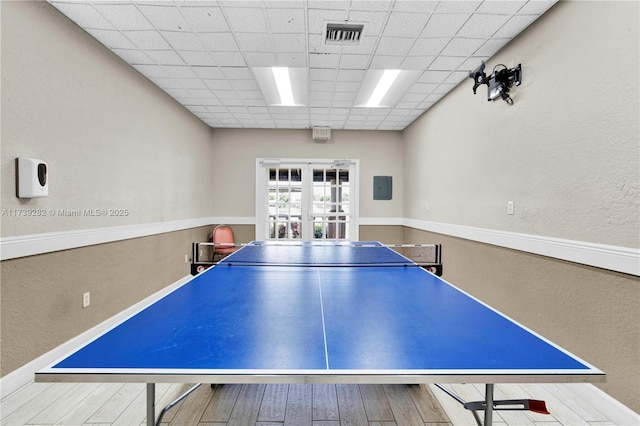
[86,299]
[510,207]
[186,258]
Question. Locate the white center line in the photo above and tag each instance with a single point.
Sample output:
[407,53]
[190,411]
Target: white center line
[324,330]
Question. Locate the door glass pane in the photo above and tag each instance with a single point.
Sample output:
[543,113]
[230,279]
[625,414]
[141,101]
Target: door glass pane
[285,203]
[315,200]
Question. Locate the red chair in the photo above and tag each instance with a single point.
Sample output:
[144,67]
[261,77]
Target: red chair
[223,242]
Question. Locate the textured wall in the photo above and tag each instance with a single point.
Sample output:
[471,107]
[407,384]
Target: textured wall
[567,152]
[380,153]
[111,138]
[591,312]
[42,295]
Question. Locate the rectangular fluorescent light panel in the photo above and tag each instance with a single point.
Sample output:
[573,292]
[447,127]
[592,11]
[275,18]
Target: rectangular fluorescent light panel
[283,82]
[383,86]
[281,86]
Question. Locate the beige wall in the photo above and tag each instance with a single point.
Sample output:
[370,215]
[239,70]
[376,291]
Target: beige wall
[567,152]
[593,313]
[42,295]
[110,137]
[112,140]
[236,150]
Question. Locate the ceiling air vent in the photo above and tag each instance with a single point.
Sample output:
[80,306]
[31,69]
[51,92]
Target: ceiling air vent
[344,34]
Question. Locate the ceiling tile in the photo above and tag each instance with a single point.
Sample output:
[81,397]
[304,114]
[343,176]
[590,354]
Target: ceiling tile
[537,7]
[191,83]
[462,46]
[252,96]
[443,63]
[373,21]
[323,74]
[257,59]
[205,19]
[500,7]
[428,46]
[166,18]
[153,71]
[358,62]
[286,20]
[446,25]
[347,86]
[322,86]
[318,18]
[84,15]
[218,84]
[290,42]
[236,73]
[133,56]
[197,58]
[112,39]
[147,40]
[165,57]
[124,16]
[433,76]
[386,62]
[422,89]
[229,59]
[422,6]
[515,26]
[219,42]
[416,62]
[366,46]
[394,46]
[401,24]
[292,60]
[207,72]
[183,40]
[457,6]
[482,26]
[255,42]
[350,75]
[490,47]
[246,19]
[372,4]
[244,85]
[166,83]
[178,71]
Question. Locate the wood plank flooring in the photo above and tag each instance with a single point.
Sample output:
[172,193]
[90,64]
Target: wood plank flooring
[283,405]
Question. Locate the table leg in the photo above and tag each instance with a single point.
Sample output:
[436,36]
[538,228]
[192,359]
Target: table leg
[151,404]
[488,398]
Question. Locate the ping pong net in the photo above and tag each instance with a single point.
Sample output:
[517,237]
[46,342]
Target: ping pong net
[326,254]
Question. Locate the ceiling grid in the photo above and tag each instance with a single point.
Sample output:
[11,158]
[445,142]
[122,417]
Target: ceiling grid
[203,53]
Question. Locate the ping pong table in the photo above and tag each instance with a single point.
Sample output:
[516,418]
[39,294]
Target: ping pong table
[341,312]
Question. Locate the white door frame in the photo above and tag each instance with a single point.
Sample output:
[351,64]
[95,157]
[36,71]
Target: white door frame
[262,166]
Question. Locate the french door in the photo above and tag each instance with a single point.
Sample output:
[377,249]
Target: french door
[306,199]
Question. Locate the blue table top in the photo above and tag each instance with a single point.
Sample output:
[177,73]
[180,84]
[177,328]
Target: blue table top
[371,321]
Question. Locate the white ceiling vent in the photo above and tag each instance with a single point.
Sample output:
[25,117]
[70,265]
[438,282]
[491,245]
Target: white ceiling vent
[321,134]
[343,34]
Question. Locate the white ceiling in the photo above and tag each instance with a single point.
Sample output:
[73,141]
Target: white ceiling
[202,52]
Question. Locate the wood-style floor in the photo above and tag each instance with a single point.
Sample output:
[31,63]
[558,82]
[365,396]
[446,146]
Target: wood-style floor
[298,405]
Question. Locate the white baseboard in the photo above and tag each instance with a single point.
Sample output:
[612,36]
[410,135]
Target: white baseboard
[614,258]
[29,245]
[25,374]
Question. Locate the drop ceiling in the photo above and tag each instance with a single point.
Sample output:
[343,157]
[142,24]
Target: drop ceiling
[202,53]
